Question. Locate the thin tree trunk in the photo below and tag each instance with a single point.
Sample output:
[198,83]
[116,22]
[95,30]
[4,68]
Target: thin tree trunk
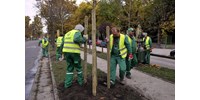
[129,15]
[158,39]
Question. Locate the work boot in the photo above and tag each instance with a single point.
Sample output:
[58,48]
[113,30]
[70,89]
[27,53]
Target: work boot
[122,81]
[112,85]
[62,90]
[128,76]
[67,86]
[60,59]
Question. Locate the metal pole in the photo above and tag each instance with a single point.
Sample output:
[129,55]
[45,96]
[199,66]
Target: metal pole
[108,55]
[85,51]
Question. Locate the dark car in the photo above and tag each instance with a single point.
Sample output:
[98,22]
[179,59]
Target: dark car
[103,44]
[98,43]
[172,53]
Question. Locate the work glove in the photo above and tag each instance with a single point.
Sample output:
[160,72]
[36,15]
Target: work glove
[85,36]
[130,56]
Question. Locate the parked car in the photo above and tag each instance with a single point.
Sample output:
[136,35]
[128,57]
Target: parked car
[103,44]
[98,43]
[172,53]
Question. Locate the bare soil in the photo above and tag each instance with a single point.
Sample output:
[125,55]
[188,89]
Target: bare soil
[119,92]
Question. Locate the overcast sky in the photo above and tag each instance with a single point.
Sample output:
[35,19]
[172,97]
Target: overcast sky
[31,10]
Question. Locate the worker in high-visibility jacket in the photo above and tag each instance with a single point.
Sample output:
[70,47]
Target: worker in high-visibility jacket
[45,43]
[119,48]
[71,48]
[58,44]
[147,47]
[130,63]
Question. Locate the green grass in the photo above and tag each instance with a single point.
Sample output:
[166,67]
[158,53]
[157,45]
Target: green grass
[162,72]
[59,69]
[99,54]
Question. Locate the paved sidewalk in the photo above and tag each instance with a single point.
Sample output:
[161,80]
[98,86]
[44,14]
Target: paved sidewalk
[98,48]
[153,88]
[42,88]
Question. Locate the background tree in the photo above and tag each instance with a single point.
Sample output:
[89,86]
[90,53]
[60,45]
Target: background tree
[152,15]
[160,15]
[109,11]
[56,13]
[27,26]
[37,26]
[78,16]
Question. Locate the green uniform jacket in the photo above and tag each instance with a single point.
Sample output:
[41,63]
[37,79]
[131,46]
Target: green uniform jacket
[78,38]
[115,49]
[133,45]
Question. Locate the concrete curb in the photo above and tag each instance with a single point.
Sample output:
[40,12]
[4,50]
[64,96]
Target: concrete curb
[163,56]
[34,87]
[55,91]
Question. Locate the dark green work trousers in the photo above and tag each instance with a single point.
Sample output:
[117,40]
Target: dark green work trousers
[73,62]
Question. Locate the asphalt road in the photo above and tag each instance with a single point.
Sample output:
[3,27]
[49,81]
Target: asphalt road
[32,56]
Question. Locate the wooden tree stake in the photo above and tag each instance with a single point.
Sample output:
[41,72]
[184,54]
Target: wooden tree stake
[94,57]
[108,55]
[85,51]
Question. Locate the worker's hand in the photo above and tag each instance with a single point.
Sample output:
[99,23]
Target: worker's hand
[106,40]
[130,56]
[85,36]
